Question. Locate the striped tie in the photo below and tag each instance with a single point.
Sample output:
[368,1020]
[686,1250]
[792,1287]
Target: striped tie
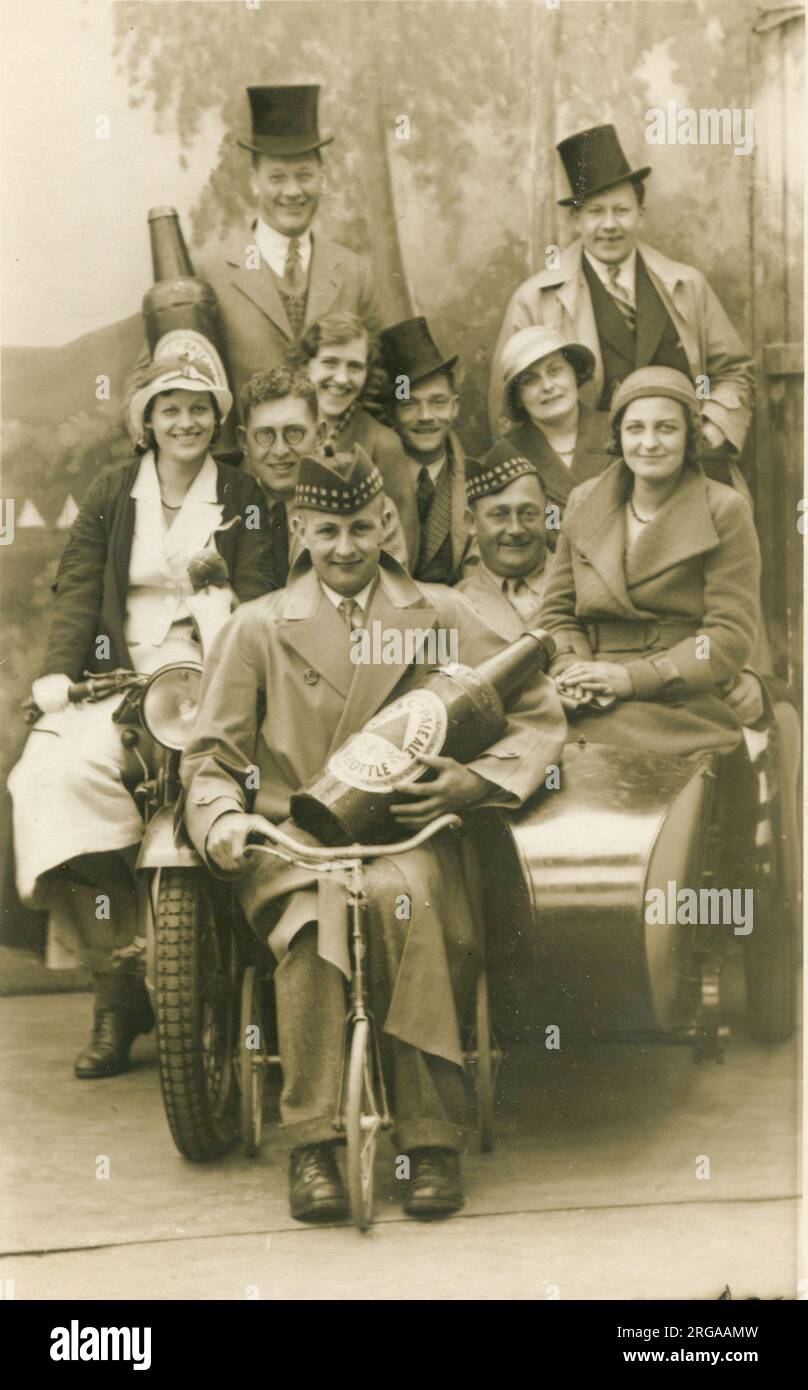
[351,613]
[621,298]
[293,280]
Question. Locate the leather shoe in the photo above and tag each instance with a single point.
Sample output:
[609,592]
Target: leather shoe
[434,1188]
[316,1192]
[122,1011]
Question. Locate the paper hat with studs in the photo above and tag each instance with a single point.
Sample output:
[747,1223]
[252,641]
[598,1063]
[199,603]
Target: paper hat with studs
[594,161]
[502,465]
[343,484]
[284,121]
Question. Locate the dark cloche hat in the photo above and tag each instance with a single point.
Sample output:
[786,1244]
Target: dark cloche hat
[408,349]
[496,470]
[594,161]
[344,484]
[284,121]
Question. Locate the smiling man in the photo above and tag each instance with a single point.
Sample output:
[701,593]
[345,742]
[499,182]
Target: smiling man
[507,503]
[424,406]
[280,694]
[280,275]
[629,304]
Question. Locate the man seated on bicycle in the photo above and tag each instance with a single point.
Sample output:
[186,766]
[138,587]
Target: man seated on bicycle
[280,694]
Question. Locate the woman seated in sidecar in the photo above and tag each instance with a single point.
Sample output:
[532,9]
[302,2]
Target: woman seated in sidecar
[121,602]
[653,597]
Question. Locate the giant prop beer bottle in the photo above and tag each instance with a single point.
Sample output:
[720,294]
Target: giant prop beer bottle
[178,299]
[457,711]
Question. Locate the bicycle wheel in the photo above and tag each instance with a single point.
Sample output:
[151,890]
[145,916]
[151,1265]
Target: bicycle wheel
[252,1061]
[363,1120]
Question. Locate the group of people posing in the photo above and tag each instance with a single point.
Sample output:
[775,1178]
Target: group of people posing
[610,510]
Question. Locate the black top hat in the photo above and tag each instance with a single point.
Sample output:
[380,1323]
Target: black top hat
[594,161]
[284,121]
[408,349]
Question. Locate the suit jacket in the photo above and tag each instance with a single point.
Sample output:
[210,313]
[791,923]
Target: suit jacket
[256,327]
[93,576]
[692,573]
[493,606]
[459,523]
[288,655]
[561,299]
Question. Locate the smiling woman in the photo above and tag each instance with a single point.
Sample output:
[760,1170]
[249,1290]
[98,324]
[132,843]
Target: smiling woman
[653,597]
[121,602]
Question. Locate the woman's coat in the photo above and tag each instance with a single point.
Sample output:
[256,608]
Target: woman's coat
[693,573]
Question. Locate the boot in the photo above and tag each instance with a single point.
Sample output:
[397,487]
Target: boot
[122,1010]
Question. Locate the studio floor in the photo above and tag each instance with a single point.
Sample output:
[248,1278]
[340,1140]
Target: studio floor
[620,1172]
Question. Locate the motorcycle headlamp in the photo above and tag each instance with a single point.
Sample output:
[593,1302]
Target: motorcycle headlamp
[169,703]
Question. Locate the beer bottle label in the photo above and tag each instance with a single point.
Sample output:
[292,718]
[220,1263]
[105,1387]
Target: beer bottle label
[385,753]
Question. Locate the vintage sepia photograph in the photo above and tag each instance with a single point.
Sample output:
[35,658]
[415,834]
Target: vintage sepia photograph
[401,534]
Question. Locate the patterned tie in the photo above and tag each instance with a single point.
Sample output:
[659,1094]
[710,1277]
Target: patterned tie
[424,494]
[621,298]
[351,613]
[293,278]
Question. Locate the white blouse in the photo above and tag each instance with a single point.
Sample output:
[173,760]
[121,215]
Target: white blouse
[158,565]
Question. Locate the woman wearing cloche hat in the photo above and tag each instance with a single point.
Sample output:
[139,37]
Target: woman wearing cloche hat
[653,595]
[121,601]
[567,441]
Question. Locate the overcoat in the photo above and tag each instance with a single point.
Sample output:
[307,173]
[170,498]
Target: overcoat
[93,576]
[280,694]
[487,599]
[591,456]
[560,298]
[693,572]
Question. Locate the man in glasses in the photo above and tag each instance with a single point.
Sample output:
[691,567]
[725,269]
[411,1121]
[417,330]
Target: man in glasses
[279,411]
[424,406]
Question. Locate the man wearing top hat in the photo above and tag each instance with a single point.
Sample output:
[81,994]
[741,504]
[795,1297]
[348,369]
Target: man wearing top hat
[629,304]
[508,504]
[423,406]
[279,275]
[280,694]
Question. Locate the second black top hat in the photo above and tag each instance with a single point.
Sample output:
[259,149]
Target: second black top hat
[594,161]
[408,349]
[284,121]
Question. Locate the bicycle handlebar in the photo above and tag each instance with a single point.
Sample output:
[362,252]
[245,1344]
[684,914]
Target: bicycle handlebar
[316,854]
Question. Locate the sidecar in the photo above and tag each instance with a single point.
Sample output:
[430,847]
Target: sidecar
[610,903]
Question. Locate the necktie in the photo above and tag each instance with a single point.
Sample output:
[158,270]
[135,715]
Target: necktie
[279,530]
[293,268]
[621,297]
[520,596]
[424,494]
[351,613]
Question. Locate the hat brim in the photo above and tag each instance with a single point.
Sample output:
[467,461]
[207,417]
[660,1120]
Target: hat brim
[634,176]
[284,146]
[172,381]
[580,358]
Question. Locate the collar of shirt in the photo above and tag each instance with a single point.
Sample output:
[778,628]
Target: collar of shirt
[361,598]
[202,489]
[626,275]
[532,580]
[274,247]
[433,469]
